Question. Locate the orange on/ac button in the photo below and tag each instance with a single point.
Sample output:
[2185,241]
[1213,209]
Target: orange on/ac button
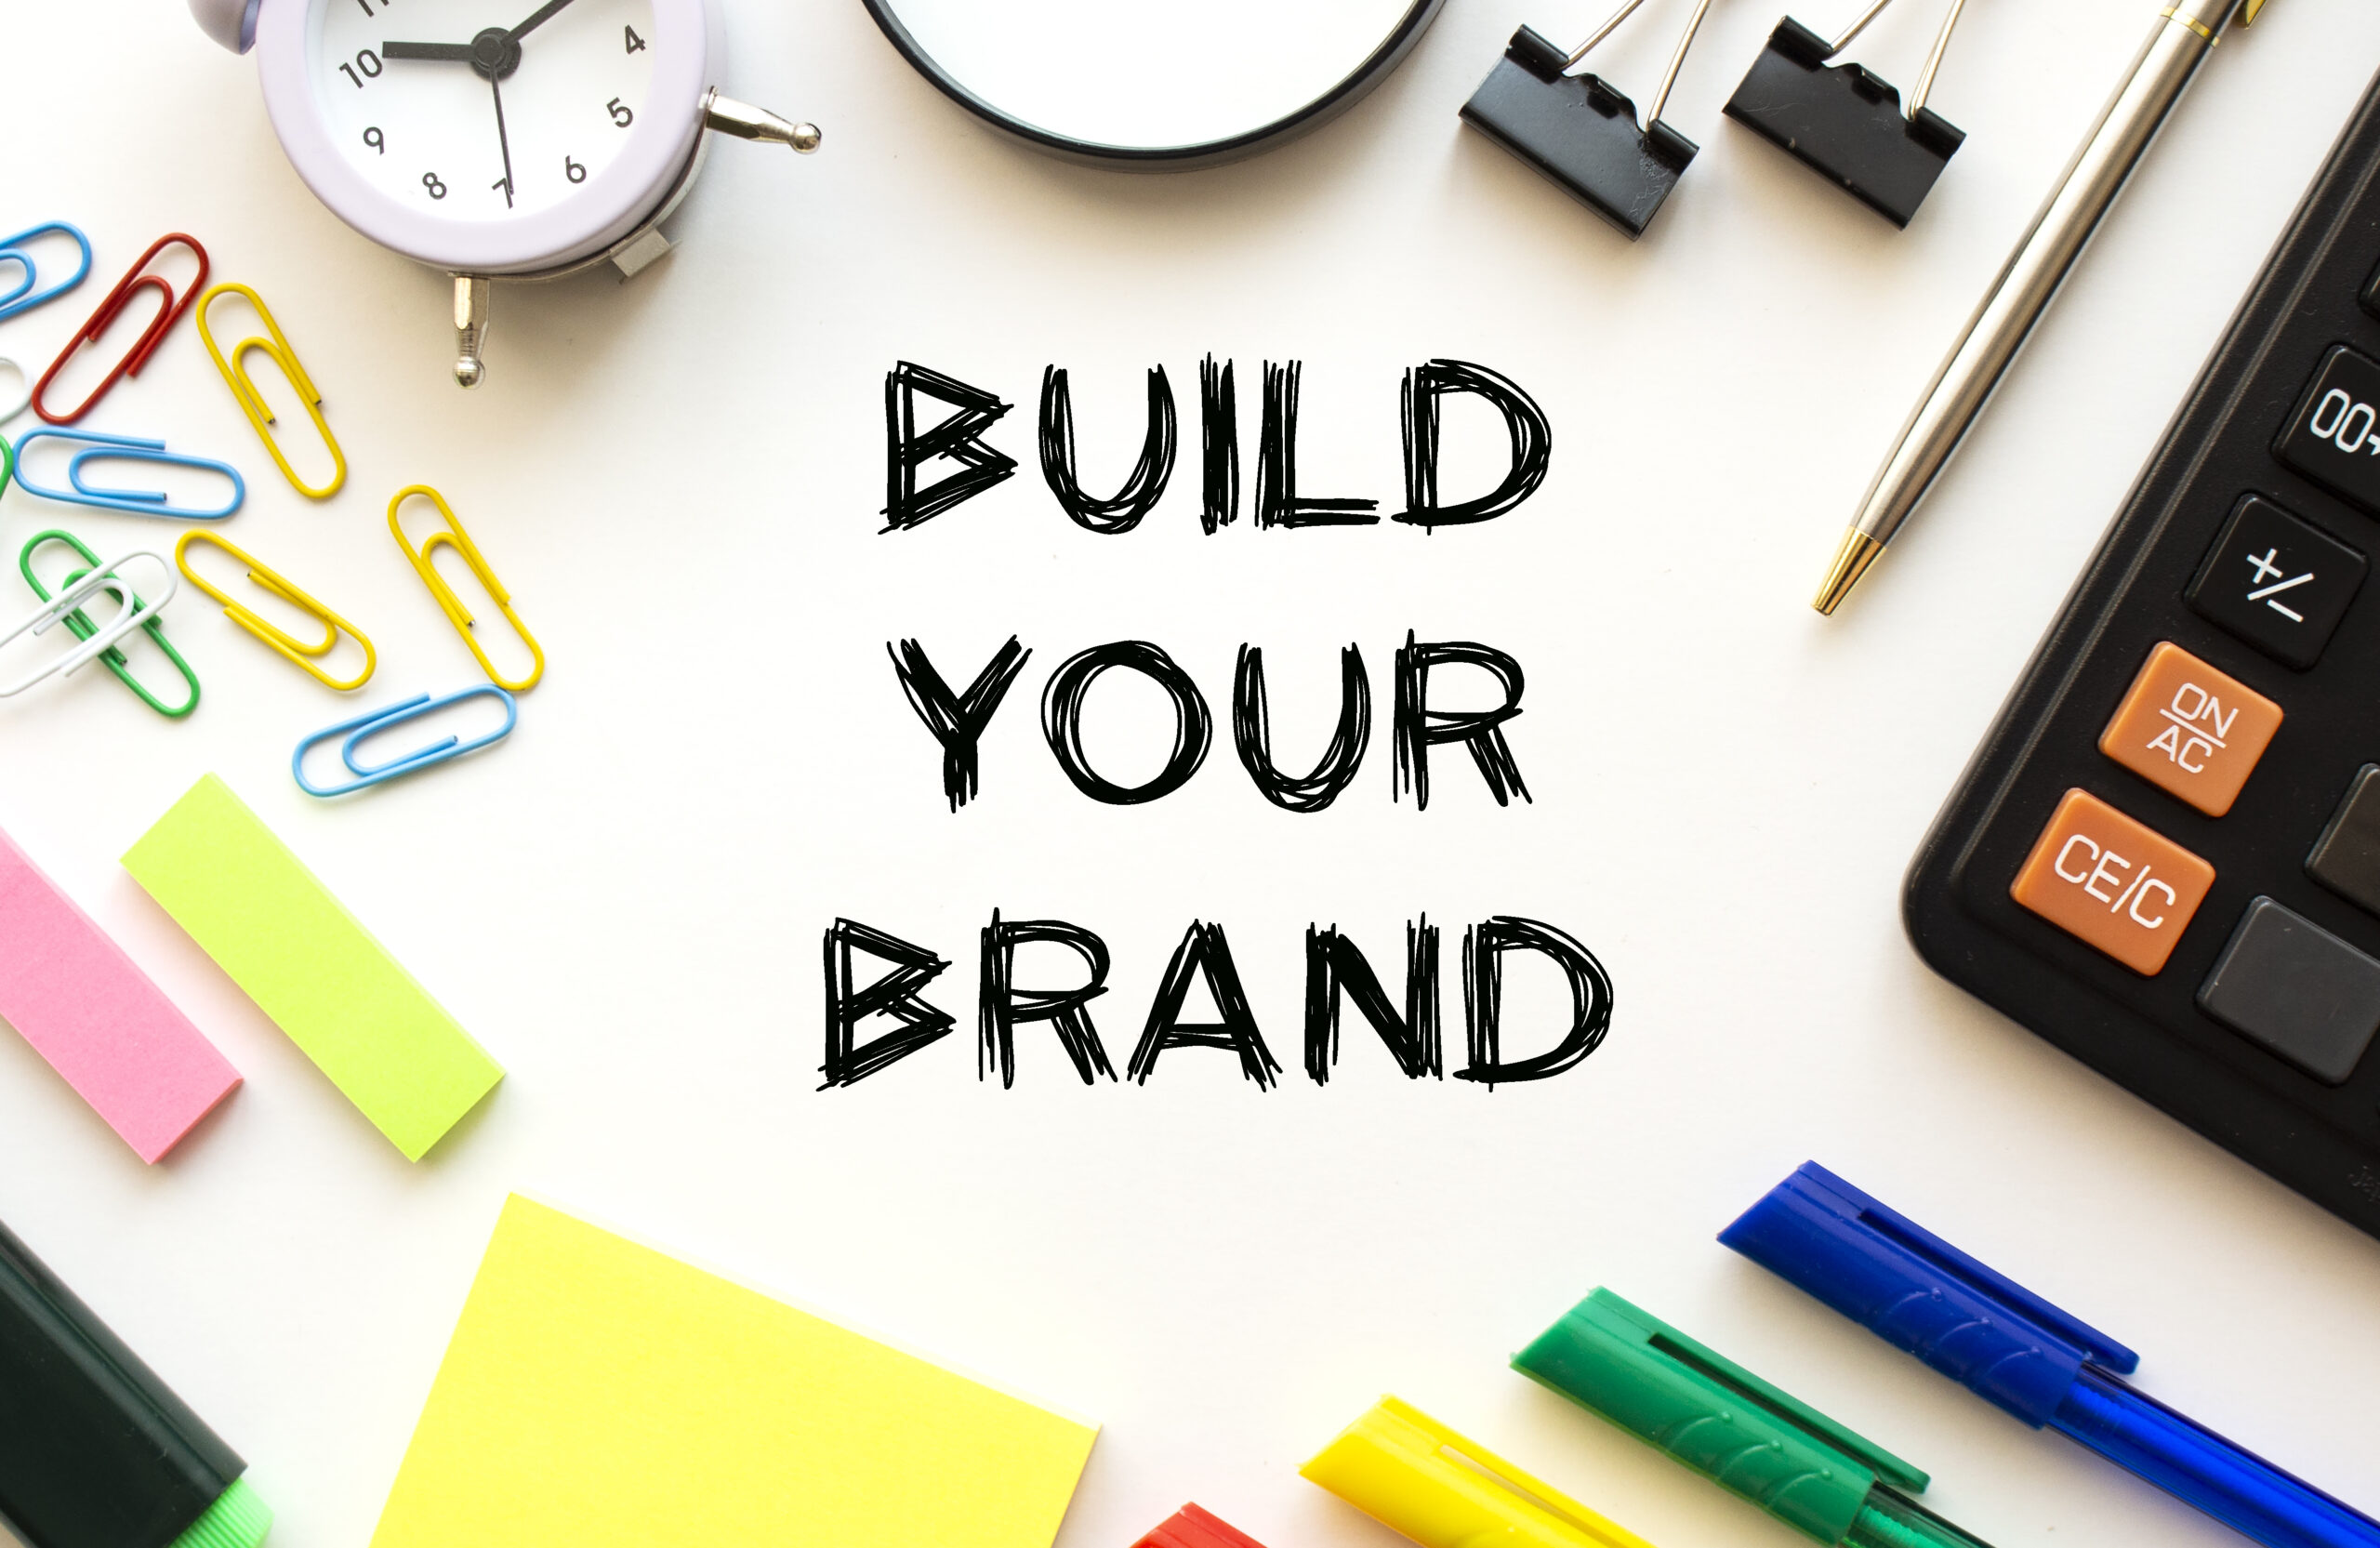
[2191,730]
[2125,888]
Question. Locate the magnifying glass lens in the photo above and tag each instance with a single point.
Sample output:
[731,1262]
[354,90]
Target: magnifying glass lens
[1155,83]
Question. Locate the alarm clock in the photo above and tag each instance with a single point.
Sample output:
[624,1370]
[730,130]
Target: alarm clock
[494,145]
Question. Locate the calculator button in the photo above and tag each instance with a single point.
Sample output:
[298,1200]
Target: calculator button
[2289,983]
[2121,887]
[2189,730]
[2371,294]
[2280,584]
[2346,857]
[2335,436]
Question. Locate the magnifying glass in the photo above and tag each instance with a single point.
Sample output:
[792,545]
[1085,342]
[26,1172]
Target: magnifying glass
[1155,84]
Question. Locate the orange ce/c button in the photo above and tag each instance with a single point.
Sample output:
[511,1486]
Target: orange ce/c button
[2123,888]
[2190,730]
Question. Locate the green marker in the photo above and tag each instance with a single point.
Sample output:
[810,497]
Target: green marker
[1735,1429]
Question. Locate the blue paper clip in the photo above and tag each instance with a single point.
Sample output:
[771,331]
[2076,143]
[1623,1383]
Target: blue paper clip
[24,298]
[373,723]
[124,448]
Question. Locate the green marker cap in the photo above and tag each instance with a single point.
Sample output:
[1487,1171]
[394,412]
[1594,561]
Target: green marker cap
[1713,1415]
[237,1519]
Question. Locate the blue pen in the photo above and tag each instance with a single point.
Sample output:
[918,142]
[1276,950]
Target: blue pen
[1918,1292]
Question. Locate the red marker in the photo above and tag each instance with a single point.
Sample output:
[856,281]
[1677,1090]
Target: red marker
[1192,1527]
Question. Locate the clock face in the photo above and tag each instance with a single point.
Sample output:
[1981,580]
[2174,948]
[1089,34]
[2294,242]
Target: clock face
[482,111]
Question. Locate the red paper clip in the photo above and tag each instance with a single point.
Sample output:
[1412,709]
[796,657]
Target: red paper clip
[113,308]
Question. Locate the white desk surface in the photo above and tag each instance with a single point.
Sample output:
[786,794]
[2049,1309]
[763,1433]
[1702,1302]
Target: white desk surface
[679,479]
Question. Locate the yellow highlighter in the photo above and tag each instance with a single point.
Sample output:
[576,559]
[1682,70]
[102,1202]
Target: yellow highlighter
[1411,1473]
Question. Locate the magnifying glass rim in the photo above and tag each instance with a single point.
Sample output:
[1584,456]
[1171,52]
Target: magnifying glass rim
[1350,91]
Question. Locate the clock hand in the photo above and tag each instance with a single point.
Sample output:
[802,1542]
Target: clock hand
[493,53]
[545,13]
[497,86]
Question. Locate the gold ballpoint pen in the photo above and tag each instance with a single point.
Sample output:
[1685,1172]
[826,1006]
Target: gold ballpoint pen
[2186,34]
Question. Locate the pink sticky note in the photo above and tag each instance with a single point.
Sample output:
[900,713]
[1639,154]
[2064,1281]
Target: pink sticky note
[88,1010]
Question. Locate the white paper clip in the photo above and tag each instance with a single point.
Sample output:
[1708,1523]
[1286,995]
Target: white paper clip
[24,399]
[132,611]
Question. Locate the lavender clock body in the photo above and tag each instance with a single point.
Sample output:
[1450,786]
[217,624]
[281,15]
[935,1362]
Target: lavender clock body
[493,145]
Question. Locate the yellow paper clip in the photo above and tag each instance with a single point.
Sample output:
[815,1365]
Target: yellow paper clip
[1411,1473]
[279,638]
[457,539]
[243,390]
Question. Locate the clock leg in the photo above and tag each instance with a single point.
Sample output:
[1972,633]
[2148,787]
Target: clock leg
[745,121]
[471,328]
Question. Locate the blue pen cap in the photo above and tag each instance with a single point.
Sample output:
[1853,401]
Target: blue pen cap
[1916,1291]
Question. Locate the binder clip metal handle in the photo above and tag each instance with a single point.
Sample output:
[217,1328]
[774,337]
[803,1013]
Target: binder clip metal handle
[1917,99]
[1677,59]
[1583,132]
[1845,122]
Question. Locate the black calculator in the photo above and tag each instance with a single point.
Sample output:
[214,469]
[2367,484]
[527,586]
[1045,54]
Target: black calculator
[2165,857]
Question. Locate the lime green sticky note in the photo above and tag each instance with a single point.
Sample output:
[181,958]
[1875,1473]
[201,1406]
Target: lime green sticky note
[599,1394]
[255,908]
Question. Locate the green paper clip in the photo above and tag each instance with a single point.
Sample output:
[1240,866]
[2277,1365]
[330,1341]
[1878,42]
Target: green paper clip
[1727,1424]
[79,623]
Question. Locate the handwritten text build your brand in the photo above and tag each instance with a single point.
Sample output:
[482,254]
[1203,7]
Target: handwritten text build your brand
[878,1012]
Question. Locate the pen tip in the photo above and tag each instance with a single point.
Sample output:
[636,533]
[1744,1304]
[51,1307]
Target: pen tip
[1851,562]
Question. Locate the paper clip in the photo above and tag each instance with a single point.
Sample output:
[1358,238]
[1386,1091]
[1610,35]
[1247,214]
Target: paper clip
[79,623]
[376,722]
[125,448]
[455,538]
[23,297]
[273,635]
[1583,132]
[169,311]
[243,388]
[24,398]
[131,612]
[1843,122]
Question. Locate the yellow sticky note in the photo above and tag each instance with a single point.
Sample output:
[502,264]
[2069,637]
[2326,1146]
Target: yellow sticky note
[600,1395]
[255,908]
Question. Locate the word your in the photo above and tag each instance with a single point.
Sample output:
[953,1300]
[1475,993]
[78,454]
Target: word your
[958,721]
[957,438]
[1336,972]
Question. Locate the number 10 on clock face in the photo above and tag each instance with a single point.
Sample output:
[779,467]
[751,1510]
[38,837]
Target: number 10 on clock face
[448,105]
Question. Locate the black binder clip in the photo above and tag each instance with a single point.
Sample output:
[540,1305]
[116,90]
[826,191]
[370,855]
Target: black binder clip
[1580,132]
[1843,122]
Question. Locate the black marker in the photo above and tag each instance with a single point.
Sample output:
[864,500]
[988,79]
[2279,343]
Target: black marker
[94,1450]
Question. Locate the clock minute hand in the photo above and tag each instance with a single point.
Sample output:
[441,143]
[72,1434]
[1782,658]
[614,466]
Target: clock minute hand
[460,53]
[503,141]
[544,14]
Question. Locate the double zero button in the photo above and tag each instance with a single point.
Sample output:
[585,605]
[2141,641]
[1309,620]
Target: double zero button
[2333,438]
